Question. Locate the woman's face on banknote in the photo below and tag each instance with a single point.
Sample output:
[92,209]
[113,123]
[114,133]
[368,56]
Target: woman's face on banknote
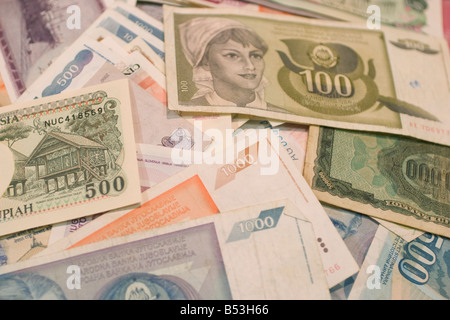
[236,65]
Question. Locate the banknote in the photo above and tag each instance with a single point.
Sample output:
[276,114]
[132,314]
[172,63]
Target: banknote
[67,156]
[395,269]
[446,15]
[34,33]
[141,19]
[23,245]
[260,252]
[4,97]
[62,230]
[242,5]
[166,203]
[357,231]
[291,8]
[397,179]
[71,70]
[293,139]
[415,15]
[126,30]
[143,48]
[407,233]
[320,72]
[155,165]
[153,123]
[154,10]
[113,3]
[86,55]
[90,62]
[248,179]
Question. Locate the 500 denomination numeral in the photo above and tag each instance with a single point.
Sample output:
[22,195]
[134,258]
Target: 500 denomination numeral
[68,75]
[104,187]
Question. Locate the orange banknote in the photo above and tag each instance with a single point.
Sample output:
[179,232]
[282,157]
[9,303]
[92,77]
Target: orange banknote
[4,97]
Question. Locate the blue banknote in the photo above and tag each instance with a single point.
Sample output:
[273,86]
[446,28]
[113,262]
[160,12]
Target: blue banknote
[127,35]
[357,231]
[409,270]
[154,27]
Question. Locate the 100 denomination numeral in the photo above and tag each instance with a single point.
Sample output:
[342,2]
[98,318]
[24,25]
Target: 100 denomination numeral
[321,82]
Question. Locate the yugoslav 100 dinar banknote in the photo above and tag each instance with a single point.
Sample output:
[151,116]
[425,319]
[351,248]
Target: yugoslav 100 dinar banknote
[260,252]
[308,71]
[393,178]
[395,269]
[67,156]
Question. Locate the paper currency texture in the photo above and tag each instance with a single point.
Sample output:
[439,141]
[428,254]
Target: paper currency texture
[71,156]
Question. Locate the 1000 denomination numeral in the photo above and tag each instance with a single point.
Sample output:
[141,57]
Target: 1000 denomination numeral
[256,224]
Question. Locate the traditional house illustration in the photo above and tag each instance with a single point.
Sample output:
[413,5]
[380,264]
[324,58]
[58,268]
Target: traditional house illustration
[18,180]
[65,154]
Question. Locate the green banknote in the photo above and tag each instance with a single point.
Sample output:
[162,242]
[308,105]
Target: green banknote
[67,156]
[418,15]
[397,179]
[307,71]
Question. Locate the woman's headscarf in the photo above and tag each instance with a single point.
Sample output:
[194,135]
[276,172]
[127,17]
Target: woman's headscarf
[195,35]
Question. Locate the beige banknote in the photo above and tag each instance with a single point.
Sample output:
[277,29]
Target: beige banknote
[397,179]
[308,71]
[259,252]
[67,156]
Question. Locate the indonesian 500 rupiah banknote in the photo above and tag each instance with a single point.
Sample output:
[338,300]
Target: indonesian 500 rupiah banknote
[252,173]
[67,156]
[418,15]
[260,252]
[320,72]
[394,178]
[395,269]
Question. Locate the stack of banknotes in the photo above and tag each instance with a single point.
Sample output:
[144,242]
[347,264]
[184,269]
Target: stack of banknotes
[225,150]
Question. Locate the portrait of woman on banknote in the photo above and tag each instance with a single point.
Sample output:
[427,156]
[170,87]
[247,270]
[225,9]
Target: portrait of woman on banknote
[228,63]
